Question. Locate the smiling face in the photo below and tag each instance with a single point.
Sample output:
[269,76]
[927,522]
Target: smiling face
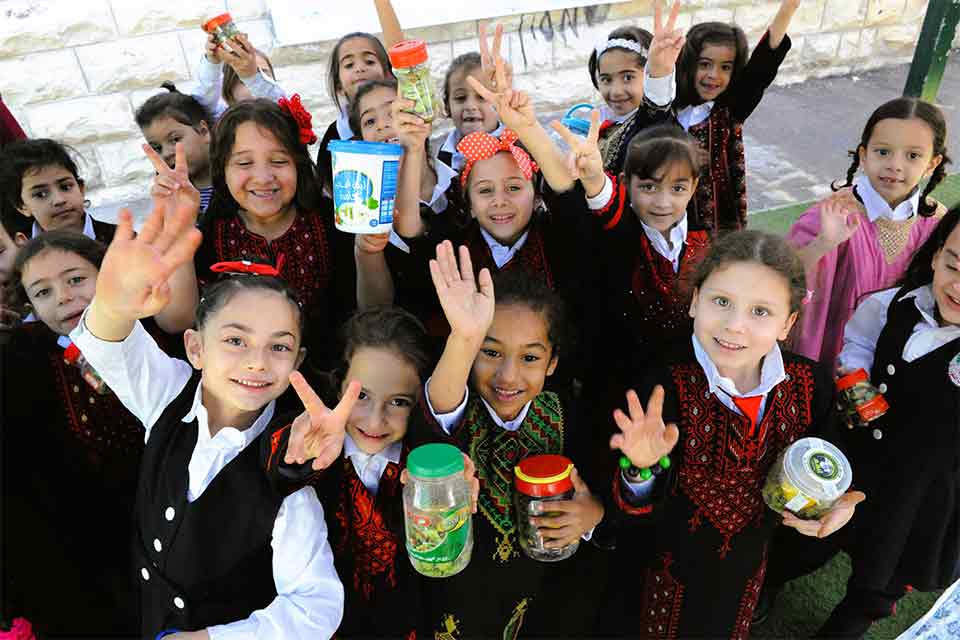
[247,350]
[620,79]
[376,119]
[163,134]
[53,198]
[514,361]
[898,156]
[262,176]
[357,63]
[714,70]
[501,198]
[946,278]
[661,202]
[468,110]
[390,389]
[60,285]
[739,313]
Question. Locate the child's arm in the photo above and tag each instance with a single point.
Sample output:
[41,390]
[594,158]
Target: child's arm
[781,21]
[762,67]
[374,280]
[389,23]
[468,305]
[240,54]
[839,221]
[863,330]
[414,176]
[209,82]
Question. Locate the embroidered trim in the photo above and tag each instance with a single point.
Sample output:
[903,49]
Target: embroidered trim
[662,600]
[893,236]
[751,595]
[532,256]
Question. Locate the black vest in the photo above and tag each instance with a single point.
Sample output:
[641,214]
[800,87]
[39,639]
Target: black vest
[209,561]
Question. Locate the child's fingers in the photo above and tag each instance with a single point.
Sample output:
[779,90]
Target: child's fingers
[482,89]
[657,18]
[655,404]
[466,264]
[152,226]
[485,59]
[497,40]
[674,12]
[593,136]
[181,167]
[567,135]
[671,435]
[485,283]
[806,527]
[311,401]
[182,251]
[566,515]
[634,408]
[560,538]
[501,75]
[158,163]
[617,441]
[342,411]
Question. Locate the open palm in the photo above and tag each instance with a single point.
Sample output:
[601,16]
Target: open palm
[467,303]
[643,437]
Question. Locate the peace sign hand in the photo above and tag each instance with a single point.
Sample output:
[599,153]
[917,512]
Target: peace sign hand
[171,187]
[488,60]
[515,108]
[667,42]
[318,432]
[644,439]
[467,306]
[585,160]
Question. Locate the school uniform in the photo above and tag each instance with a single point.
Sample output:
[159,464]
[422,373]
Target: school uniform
[197,493]
[721,198]
[92,228]
[699,532]
[615,136]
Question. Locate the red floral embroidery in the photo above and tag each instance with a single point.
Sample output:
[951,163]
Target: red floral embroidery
[722,192]
[751,594]
[532,256]
[662,598]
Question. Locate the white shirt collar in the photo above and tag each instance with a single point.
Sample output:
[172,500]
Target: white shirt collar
[343,124]
[678,237]
[509,425]
[501,254]
[370,466]
[390,454]
[227,437]
[772,372]
[450,146]
[606,113]
[87,227]
[445,175]
[877,207]
[694,114]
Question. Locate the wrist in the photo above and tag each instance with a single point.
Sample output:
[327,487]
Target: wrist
[464,341]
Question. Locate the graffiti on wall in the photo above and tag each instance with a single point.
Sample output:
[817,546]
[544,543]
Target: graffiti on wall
[542,25]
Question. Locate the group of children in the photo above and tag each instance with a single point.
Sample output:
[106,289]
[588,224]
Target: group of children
[604,303]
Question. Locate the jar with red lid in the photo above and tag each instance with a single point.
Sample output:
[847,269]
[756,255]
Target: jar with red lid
[72,356]
[221,27]
[862,401]
[538,481]
[412,68]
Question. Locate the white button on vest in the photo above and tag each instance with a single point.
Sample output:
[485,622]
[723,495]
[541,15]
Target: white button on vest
[157,545]
[179,603]
[882,388]
[145,574]
[169,514]
[891,369]
[877,434]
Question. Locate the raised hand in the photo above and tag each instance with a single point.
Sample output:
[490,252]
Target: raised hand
[667,42]
[318,432]
[171,187]
[643,437]
[838,515]
[839,219]
[467,303]
[572,518]
[412,131]
[488,60]
[585,161]
[515,108]
[212,50]
[240,54]
[372,243]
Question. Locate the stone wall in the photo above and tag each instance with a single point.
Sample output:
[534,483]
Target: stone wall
[76,70]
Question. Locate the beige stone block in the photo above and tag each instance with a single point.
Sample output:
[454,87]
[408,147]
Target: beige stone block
[794,58]
[124,161]
[557,90]
[839,15]
[27,26]
[303,53]
[885,12]
[108,200]
[915,10]
[530,53]
[830,70]
[754,19]
[133,63]
[810,16]
[821,48]
[136,17]
[632,9]
[139,96]
[441,33]
[244,9]
[42,77]
[573,50]
[787,79]
[898,40]
[713,15]
[88,167]
[441,55]
[310,81]
[100,118]
[193,43]
[260,33]
[849,47]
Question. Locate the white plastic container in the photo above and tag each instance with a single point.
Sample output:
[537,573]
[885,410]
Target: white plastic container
[364,184]
[807,478]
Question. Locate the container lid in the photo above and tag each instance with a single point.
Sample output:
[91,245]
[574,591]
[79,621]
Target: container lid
[366,148]
[216,21]
[542,476]
[408,53]
[71,354]
[435,460]
[851,379]
[818,469]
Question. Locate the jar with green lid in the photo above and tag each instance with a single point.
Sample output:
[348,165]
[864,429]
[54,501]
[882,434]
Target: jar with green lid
[807,479]
[437,511]
[412,68]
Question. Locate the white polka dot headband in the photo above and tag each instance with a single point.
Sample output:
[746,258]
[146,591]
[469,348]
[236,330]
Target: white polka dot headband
[621,43]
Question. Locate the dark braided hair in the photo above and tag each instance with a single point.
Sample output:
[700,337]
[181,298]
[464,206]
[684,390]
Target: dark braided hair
[920,270]
[905,109]
[520,287]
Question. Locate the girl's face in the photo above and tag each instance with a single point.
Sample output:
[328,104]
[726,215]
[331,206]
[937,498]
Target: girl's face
[357,63]
[714,70]
[501,198]
[60,285]
[53,198]
[661,202]
[898,156]
[376,120]
[163,134]
[620,77]
[261,173]
[468,110]
[8,253]
[247,351]
[514,361]
[391,387]
[240,91]
[739,313]
[946,278]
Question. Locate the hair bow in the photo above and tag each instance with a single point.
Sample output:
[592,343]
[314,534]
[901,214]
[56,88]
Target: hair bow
[480,146]
[301,116]
[246,267]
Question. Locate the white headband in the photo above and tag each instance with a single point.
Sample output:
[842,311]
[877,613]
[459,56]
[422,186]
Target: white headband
[621,43]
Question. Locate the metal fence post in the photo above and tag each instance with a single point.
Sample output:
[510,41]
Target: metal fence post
[933,47]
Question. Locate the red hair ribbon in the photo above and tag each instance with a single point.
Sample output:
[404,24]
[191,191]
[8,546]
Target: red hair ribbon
[245,266]
[299,113]
[480,146]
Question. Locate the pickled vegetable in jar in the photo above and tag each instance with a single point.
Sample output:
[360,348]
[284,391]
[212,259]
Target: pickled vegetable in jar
[863,401]
[538,481]
[437,511]
[411,66]
[221,27]
[807,478]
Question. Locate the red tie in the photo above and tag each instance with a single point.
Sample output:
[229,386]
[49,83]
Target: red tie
[750,406]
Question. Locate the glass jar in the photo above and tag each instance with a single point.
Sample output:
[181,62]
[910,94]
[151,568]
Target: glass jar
[807,478]
[437,510]
[221,27]
[862,401]
[411,66]
[539,480]
[72,356]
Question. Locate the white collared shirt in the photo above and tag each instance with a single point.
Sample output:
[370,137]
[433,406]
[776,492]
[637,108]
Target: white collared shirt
[877,207]
[87,227]
[445,175]
[309,602]
[450,145]
[694,114]
[449,421]
[867,322]
[502,254]
[343,124]
[672,250]
[370,466]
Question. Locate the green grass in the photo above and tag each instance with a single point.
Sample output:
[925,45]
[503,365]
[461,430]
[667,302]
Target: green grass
[805,603]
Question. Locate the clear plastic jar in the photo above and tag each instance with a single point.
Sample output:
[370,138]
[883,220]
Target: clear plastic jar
[807,478]
[437,514]
[538,481]
[412,68]
[72,356]
[222,27]
[862,401]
